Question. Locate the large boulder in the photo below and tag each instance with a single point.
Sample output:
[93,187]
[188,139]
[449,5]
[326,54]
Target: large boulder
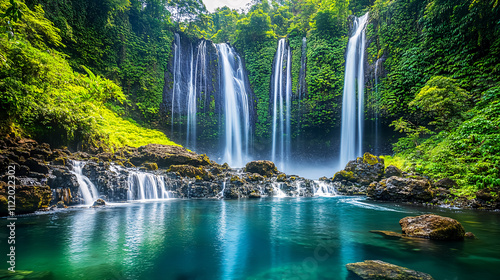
[165,156]
[191,171]
[401,189]
[363,170]
[432,227]
[28,198]
[392,170]
[379,270]
[262,167]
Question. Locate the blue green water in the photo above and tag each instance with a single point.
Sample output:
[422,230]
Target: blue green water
[269,238]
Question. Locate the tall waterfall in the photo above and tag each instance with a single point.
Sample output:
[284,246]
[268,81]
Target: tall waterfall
[236,106]
[146,186]
[87,188]
[352,103]
[188,86]
[281,93]
[377,110]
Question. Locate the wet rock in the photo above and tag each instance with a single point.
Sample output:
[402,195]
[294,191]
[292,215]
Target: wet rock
[99,203]
[28,198]
[262,167]
[401,189]
[151,166]
[392,170]
[191,172]
[60,204]
[165,156]
[36,166]
[254,194]
[379,270]
[358,174]
[446,183]
[484,195]
[432,227]
[470,235]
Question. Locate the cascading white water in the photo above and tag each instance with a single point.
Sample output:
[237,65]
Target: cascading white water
[146,186]
[87,188]
[176,89]
[322,188]
[281,90]
[377,109]
[353,112]
[236,106]
[277,192]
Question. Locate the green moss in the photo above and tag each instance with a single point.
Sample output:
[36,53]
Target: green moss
[281,178]
[370,159]
[151,166]
[343,175]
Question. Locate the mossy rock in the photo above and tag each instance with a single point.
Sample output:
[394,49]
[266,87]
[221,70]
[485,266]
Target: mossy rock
[281,178]
[343,175]
[21,274]
[191,171]
[265,168]
[151,166]
[379,270]
[371,159]
[28,198]
[432,227]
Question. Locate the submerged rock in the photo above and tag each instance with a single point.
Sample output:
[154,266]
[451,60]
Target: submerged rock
[99,203]
[432,227]
[379,270]
[21,274]
[265,168]
[387,234]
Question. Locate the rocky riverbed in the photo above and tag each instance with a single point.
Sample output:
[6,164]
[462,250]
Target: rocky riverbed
[46,177]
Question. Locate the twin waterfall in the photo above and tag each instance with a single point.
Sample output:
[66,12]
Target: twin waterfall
[211,77]
[353,99]
[281,91]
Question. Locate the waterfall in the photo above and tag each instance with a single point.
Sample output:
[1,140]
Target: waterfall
[146,186]
[236,106]
[190,81]
[277,192]
[353,112]
[87,189]
[281,92]
[376,110]
[322,188]
[176,89]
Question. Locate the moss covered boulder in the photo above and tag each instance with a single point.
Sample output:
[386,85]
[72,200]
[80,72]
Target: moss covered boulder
[191,171]
[165,156]
[432,227]
[379,270]
[363,170]
[265,168]
[28,198]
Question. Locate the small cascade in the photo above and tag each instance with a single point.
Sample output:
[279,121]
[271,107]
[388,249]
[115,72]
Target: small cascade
[221,194]
[146,186]
[87,188]
[236,106]
[322,188]
[277,192]
[353,97]
[281,93]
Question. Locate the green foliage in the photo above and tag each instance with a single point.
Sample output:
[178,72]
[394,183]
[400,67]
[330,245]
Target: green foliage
[443,99]
[41,94]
